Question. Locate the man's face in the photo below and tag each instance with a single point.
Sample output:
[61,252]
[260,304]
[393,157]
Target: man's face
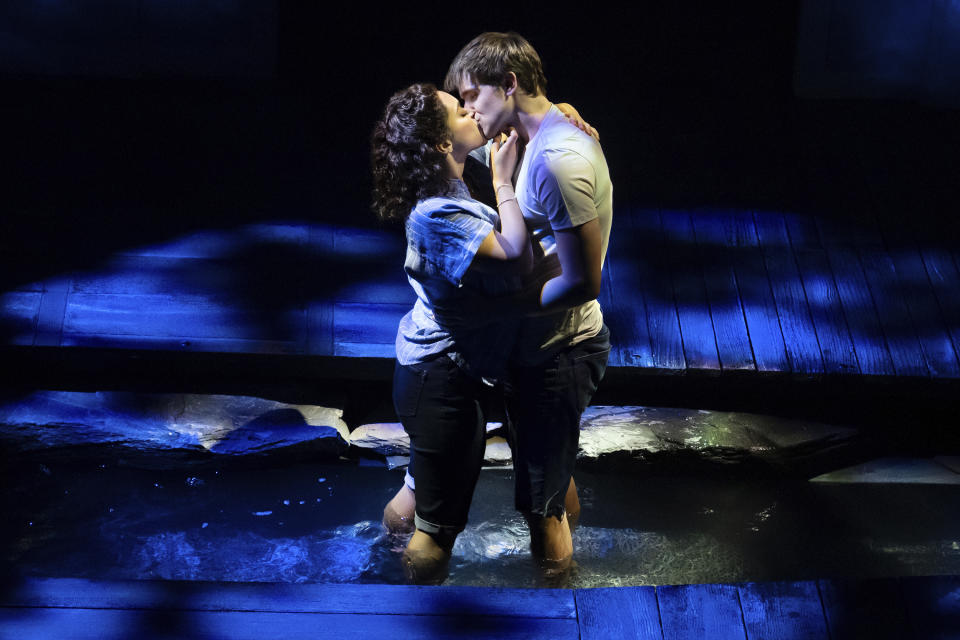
[489,105]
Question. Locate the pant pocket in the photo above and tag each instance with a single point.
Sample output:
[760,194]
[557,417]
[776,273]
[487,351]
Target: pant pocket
[408,384]
[588,372]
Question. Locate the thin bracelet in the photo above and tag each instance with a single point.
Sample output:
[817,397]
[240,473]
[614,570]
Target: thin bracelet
[502,186]
[500,204]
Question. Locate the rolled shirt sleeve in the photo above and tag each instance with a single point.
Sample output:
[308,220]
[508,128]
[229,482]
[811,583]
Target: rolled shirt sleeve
[449,238]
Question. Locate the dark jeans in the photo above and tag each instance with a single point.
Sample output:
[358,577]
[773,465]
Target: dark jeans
[544,404]
[440,408]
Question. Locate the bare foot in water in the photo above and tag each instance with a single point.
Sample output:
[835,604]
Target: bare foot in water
[551,543]
[399,512]
[426,559]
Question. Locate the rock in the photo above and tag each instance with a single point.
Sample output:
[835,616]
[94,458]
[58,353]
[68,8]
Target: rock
[397,462]
[497,452]
[617,430]
[167,429]
[640,438]
[385,438]
[389,438]
[629,437]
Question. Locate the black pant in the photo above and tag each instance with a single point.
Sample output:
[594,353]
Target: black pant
[440,408]
[544,404]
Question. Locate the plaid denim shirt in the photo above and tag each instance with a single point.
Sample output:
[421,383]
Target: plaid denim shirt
[443,236]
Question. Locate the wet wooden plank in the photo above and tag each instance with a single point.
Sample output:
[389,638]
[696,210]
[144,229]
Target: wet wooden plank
[753,284]
[799,335]
[945,280]
[287,597]
[223,243]
[247,279]
[136,274]
[52,315]
[694,612]
[19,311]
[618,612]
[386,245]
[107,624]
[320,238]
[619,319]
[654,276]
[817,277]
[320,328]
[916,290]
[869,343]
[179,316]
[366,330]
[864,609]
[364,350]
[268,265]
[383,284]
[933,606]
[192,345]
[625,279]
[901,336]
[696,325]
[360,265]
[723,296]
[776,610]
[364,265]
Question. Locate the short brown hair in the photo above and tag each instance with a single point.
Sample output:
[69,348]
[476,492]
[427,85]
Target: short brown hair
[490,56]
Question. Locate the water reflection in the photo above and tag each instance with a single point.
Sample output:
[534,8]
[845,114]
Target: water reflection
[270,525]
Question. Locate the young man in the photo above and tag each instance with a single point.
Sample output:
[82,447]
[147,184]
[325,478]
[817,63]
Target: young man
[564,191]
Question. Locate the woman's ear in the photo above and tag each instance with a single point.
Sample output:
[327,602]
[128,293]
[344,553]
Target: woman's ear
[445,147]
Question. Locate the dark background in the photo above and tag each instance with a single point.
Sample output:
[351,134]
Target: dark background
[132,121]
[127,123]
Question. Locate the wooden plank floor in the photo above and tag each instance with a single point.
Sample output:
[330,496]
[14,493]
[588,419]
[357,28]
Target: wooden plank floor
[921,608]
[712,291]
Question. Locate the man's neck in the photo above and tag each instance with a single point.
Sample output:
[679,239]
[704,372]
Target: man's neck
[530,112]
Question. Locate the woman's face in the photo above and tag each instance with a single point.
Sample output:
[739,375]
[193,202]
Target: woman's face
[464,133]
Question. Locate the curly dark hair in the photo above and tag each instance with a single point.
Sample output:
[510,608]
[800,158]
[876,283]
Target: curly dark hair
[406,163]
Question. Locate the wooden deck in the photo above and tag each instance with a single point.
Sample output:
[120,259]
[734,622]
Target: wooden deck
[715,292]
[905,608]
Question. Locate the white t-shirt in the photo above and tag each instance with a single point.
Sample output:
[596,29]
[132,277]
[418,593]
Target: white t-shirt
[563,182]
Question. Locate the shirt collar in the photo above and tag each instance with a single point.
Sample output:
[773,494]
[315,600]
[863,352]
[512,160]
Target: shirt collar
[459,189]
[552,115]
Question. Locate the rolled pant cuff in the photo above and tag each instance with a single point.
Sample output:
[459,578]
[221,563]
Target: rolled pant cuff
[554,507]
[429,527]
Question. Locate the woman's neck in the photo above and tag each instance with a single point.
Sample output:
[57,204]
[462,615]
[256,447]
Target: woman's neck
[455,167]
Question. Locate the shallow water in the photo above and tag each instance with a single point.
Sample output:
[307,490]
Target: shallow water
[320,523]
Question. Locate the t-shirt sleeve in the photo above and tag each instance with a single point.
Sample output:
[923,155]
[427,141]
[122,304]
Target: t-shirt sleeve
[452,237]
[565,183]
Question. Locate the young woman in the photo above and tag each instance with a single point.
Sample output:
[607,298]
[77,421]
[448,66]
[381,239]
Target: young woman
[460,253]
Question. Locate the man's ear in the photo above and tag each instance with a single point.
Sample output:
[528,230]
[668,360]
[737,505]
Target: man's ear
[510,83]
